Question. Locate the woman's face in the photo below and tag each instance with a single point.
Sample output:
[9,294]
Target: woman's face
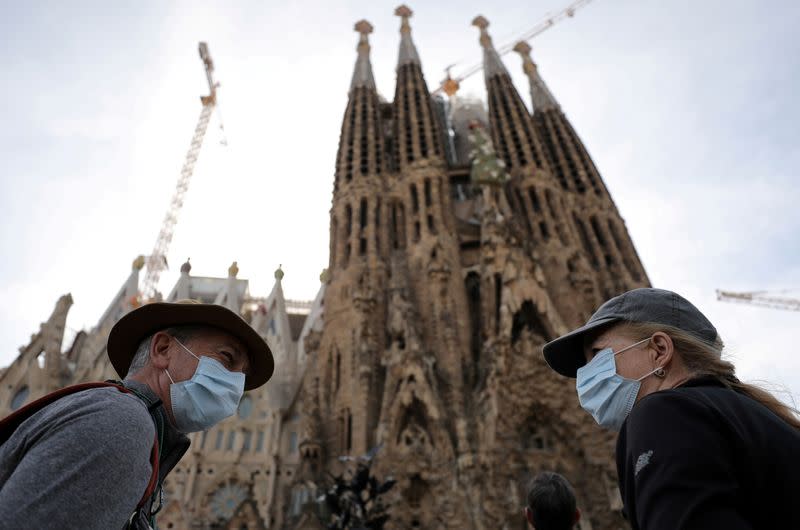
[632,363]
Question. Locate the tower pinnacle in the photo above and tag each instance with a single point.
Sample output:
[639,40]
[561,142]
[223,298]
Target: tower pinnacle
[408,52]
[362,75]
[541,97]
[492,65]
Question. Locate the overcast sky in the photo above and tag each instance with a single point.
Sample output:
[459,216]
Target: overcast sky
[690,110]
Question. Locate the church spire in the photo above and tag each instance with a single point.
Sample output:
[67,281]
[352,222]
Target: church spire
[417,134]
[362,74]
[408,52]
[512,132]
[492,65]
[541,97]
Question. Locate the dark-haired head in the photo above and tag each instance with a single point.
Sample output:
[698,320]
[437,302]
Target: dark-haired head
[551,503]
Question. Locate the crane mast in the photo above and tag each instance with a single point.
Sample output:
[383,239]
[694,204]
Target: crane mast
[450,85]
[157,260]
[760,298]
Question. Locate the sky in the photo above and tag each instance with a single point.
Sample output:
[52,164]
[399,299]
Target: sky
[689,110]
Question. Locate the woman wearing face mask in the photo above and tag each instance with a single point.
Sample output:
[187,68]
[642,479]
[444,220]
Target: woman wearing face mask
[697,448]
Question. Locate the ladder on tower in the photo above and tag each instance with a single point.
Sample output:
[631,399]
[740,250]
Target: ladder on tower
[157,260]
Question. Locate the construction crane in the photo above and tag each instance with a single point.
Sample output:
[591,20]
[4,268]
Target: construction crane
[761,298]
[450,85]
[157,260]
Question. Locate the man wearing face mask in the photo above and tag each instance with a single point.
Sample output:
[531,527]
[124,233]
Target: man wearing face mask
[697,448]
[94,456]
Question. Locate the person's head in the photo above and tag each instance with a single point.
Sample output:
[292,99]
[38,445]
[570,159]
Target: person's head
[197,358]
[551,503]
[640,342]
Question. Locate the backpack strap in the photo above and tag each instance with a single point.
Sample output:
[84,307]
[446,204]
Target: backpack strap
[10,423]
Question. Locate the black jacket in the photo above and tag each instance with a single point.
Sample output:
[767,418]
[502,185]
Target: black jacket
[702,457]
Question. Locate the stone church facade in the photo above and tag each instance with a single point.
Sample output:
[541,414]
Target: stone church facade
[461,240]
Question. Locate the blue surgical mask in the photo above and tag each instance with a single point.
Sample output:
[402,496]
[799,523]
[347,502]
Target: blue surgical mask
[210,396]
[605,394]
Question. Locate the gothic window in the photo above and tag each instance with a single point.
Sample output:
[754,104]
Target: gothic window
[442,199]
[528,318]
[534,438]
[598,233]
[587,244]
[544,230]
[428,197]
[260,441]
[20,397]
[523,210]
[348,215]
[417,491]
[218,441]
[378,227]
[431,227]
[401,225]
[498,299]
[342,425]
[548,194]
[226,500]
[231,440]
[363,129]
[362,214]
[413,435]
[246,441]
[494,109]
[416,231]
[203,440]
[534,197]
[414,199]
[473,286]
[351,112]
[292,443]
[338,369]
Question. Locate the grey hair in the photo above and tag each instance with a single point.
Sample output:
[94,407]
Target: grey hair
[142,356]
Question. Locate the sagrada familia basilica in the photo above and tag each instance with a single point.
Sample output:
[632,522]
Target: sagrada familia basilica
[461,240]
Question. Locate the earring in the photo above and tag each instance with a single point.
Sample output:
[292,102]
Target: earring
[660,372]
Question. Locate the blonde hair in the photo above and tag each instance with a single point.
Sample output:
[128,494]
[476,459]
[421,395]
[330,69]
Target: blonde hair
[702,358]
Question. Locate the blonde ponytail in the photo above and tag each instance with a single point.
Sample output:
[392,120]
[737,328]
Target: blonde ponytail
[704,359]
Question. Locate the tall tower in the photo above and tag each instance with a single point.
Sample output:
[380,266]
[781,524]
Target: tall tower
[446,277]
[347,358]
[540,206]
[602,232]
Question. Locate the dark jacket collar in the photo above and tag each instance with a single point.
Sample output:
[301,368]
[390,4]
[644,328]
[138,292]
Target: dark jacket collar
[702,380]
[174,444]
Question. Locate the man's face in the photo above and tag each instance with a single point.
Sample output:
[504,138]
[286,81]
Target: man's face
[209,342]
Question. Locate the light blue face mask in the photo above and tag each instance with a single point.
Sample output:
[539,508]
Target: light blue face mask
[210,396]
[605,394]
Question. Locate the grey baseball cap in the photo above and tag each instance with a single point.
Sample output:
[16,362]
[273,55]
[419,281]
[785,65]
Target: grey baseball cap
[565,354]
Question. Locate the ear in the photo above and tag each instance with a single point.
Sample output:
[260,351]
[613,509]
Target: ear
[529,517]
[662,349]
[577,516]
[160,350]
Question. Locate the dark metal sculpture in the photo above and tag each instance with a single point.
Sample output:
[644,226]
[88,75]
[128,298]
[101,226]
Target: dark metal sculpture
[353,501]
